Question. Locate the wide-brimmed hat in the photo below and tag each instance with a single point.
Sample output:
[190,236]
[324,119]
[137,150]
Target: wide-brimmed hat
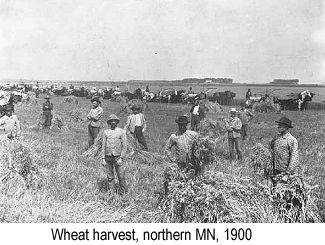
[233,110]
[9,108]
[285,121]
[96,99]
[182,120]
[135,107]
[113,117]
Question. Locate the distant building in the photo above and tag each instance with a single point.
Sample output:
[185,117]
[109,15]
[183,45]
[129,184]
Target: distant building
[285,81]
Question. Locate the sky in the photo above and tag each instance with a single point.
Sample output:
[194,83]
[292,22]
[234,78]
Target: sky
[252,41]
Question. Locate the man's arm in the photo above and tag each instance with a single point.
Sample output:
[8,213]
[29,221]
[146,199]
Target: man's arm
[237,124]
[294,156]
[127,124]
[96,115]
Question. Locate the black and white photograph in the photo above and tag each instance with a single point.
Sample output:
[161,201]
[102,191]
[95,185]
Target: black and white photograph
[162,111]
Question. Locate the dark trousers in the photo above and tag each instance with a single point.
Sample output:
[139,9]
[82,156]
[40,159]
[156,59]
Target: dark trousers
[47,119]
[92,134]
[195,121]
[138,134]
[233,144]
[120,175]
[244,131]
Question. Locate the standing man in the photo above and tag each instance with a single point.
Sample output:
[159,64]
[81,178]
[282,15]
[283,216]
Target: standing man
[245,116]
[94,120]
[136,125]
[114,150]
[233,126]
[47,112]
[197,114]
[284,148]
[183,142]
[10,123]
[248,94]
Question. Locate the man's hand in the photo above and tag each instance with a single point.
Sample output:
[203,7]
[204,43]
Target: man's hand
[104,162]
[119,161]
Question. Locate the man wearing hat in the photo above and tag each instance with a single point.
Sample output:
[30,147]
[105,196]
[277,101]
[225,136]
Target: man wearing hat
[136,125]
[47,112]
[233,126]
[197,114]
[284,146]
[114,149]
[10,123]
[183,141]
[94,117]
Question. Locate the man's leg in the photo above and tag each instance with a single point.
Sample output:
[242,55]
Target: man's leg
[231,148]
[109,167]
[121,178]
[244,131]
[238,150]
[90,135]
[140,137]
[95,132]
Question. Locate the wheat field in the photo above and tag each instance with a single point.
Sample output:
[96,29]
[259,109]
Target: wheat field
[71,188]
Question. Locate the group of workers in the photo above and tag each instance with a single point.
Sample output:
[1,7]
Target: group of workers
[114,146]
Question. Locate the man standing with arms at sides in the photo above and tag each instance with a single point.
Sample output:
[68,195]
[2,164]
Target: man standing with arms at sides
[136,125]
[285,156]
[248,94]
[197,114]
[245,116]
[10,123]
[94,117]
[114,150]
[233,126]
[47,112]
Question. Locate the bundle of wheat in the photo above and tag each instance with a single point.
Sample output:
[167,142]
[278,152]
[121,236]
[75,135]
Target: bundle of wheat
[213,107]
[259,160]
[266,106]
[293,200]
[17,168]
[57,122]
[214,197]
[212,128]
[71,99]
[77,116]
[95,150]
[219,197]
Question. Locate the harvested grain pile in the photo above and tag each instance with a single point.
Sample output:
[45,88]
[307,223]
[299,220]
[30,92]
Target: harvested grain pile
[95,150]
[77,116]
[219,197]
[266,106]
[71,99]
[212,106]
[215,197]
[259,160]
[17,171]
[57,122]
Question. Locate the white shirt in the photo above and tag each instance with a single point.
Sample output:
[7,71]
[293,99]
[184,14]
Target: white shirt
[196,110]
